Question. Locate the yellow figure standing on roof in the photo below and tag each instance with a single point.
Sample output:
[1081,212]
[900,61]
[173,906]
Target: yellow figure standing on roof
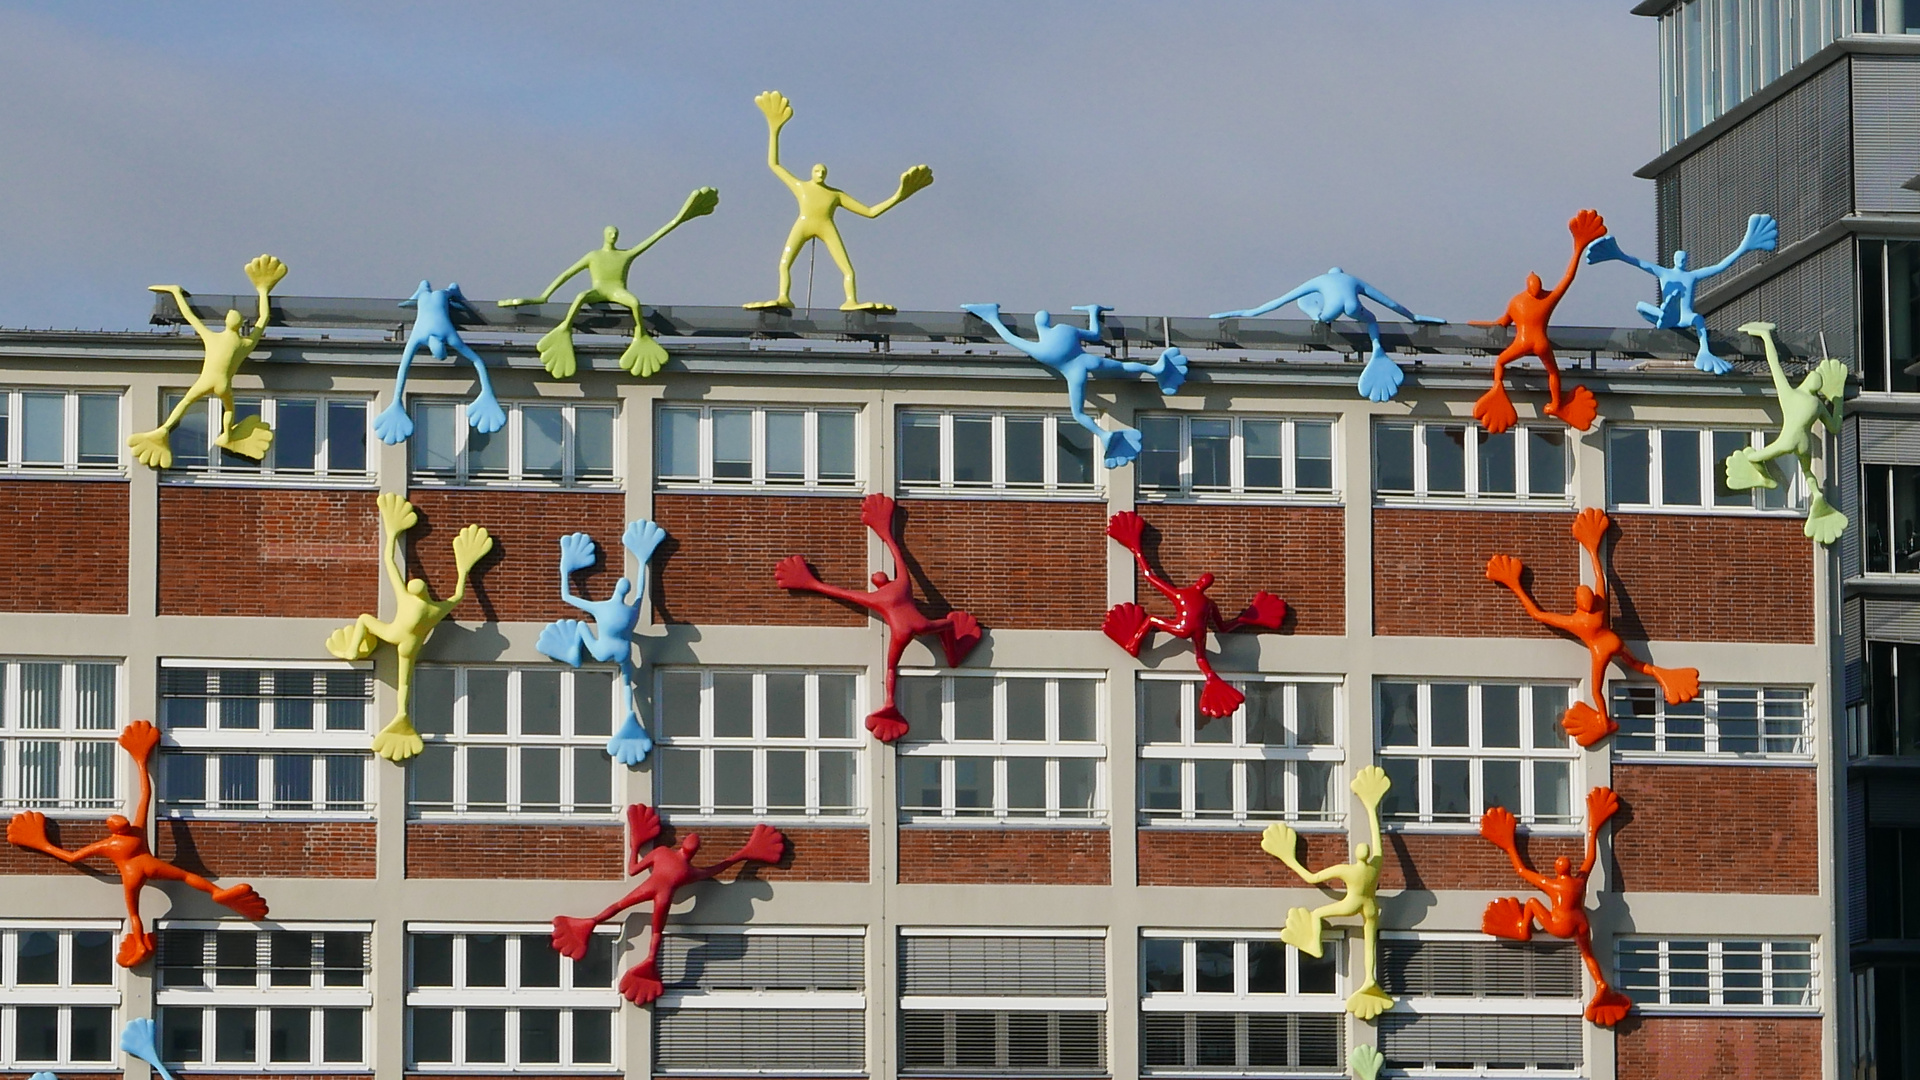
[227,349]
[415,616]
[817,205]
[1362,878]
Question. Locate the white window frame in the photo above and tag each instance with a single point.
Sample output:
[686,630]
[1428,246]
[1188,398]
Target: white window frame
[1657,999]
[1007,1003]
[759,743]
[1425,753]
[13,445]
[514,433]
[69,735]
[267,407]
[769,1001]
[263,996]
[1050,486]
[1240,1002]
[1289,490]
[925,740]
[1890,522]
[758,480]
[1463,1005]
[66,995]
[1627,695]
[1792,492]
[1521,498]
[1188,751]
[566,742]
[512,998]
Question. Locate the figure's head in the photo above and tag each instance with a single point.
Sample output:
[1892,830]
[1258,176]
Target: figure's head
[819,174]
[119,825]
[1362,853]
[611,235]
[690,845]
[880,578]
[233,319]
[1679,260]
[1204,581]
[1562,866]
[1043,319]
[1534,285]
[425,288]
[1335,270]
[1584,600]
[417,586]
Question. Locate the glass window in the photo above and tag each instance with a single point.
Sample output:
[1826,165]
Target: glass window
[512,742]
[1453,750]
[59,430]
[755,446]
[1478,1007]
[1271,457]
[1454,462]
[988,451]
[1684,468]
[1275,757]
[790,1002]
[265,742]
[58,725]
[1233,1004]
[1719,974]
[568,445]
[298,995]
[506,999]
[1000,746]
[1723,722]
[58,994]
[313,438]
[778,743]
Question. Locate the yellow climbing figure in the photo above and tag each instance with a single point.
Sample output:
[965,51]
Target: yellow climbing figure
[817,205]
[415,615]
[1362,878]
[227,349]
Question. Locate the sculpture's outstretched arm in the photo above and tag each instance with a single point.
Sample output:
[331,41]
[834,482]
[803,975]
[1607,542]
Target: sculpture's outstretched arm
[1504,320]
[1586,228]
[1602,804]
[1497,828]
[457,301]
[470,545]
[912,180]
[1388,302]
[576,553]
[1278,301]
[186,310]
[1506,569]
[265,272]
[1607,249]
[793,572]
[698,204]
[990,314]
[778,111]
[390,558]
[1093,331]
[765,844]
[1763,234]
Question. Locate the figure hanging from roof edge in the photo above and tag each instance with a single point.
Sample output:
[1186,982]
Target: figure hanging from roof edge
[1194,613]
[1528,313]
[1591,622]
[1060,348]
[1305,928]
[415,615]
[668,870]
[606,268]
[137,1038]
[1337,293]
[433,327]
[1507,918]
[125,845]
[818,202]
[1816,398]
[609,638]
[226,349]
[891,599]
[1677,283]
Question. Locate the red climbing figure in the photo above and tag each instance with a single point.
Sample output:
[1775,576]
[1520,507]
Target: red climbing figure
[892,600]
[1528,313]
[1567,889]
[1194,613]
[671,868]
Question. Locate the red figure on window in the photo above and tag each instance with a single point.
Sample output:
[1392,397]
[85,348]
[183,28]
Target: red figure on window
[126,846]
[1528,313]
[1567,889]
[1590,622]
[671,869]
[1194,613]
[892,600]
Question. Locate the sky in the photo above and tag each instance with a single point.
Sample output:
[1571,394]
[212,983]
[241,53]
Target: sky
[1162,158]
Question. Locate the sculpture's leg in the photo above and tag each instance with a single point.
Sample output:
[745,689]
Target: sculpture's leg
[152,448]
[138,944]
[556,345]
[357,641]
[1380,380]
[1588,724]
[1119,446]
[830,239]
[1578,409]
[796,237]
[641,984]
[1704,359]
[241,898]
[565,640]
[887,723]
[392,425]
[959,633]
[1370,1000]
[1494,410]
[643,355]
[1506,918]
[1608,1006]
[1217,696]
[630,742]
[1677,685]
[484,413]
[250,437]
[1825,522]
[398,741]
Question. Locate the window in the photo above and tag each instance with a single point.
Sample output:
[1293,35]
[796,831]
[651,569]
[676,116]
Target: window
[1893,699]
[754,744]
[1684,469]
[1464,463]
[296,995]
[500,997]
[962,1011]
[1257,456]
[58,724]
[569,445]
[1723,722]
[1720,975]
[57,994]
[313,438]
[512,741]
[48,429]
[1274,758]
[1716,53]
[1892,522]
[1228,1004]
[752,446]
[1890,308]
[265,742]
[762,1000]
[1001,746]
[1454,749]
[1474,1007]
[1024,453]
[1893,871]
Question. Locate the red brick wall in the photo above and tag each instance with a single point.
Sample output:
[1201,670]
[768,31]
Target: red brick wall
[1228,857]
[243,849]
[477,850]
[1298,553]
[717,565]
[1717,1048]
[520,580]
[1430,571]
[267,551]
[814,853]
[1716,828]
[66,834]
[1433,862]
[1703,578]
[64,547]
[935,855]
[1012,565]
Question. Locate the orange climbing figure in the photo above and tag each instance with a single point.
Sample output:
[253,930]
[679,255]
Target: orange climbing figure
[126,846]
[1590,621]
[1528,313]
[1567,889]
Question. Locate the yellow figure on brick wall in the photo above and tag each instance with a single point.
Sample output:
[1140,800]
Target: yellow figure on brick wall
[1362,879]
[227,348]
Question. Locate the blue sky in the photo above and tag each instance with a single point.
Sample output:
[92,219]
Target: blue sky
[1164,158]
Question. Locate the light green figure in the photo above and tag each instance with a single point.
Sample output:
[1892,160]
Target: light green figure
[1816,398]
[817,205]
[227,349]
[1365,1061]
[1362,878]
[606,270]
[414,617]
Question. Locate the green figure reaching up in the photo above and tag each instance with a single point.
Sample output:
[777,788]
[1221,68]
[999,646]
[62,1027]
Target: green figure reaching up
[1816,398]
[606,269]
[227,349]
[415,615]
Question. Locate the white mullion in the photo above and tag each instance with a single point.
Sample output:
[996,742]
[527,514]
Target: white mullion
[947,807]
[946,449]
[16,403]
[1236,456]
[757,447]
[1470,441]
[757,725]
[1186,455]
[997,451]
[1656,461]
[69,437]
[1049,452]
[1420,460]
[323,435]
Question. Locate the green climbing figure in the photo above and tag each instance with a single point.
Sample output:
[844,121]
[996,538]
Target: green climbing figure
[606,269]
[227,348]
[1816,398]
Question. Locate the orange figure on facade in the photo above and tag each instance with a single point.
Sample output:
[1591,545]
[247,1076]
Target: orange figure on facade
[1508,918]
[126,846]
[1528,313]
[1590,621]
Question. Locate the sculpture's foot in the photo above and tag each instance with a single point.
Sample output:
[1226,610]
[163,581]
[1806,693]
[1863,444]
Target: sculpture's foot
[643,357]
[1170,371]
[485,415]
[1824,523]
[1678,685]
[1219,698]
[1302,931]
[1121,447]
[886,723]
[641,983]
[393,426]
[1710,363]
[150,449]
[351,643]
[250,437]
[134,948]
[398,741]
[1608,1007]
[1381,378]
[1127,625]
[1586,725]
[556,351]
[1578,410]
[561,641]
[241,898]
[852,305]
[784,303]
[1505,918]
[961,639]
[1745,474]
[571,936]
[1369,1001]
[1365,1062]
[1494,410]
[630,743]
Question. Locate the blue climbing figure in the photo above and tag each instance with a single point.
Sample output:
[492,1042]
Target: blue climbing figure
[1060,347]
[1675,310]
[609,638]
[137,1039]
[43,1076]
[433,327]
[1337,293]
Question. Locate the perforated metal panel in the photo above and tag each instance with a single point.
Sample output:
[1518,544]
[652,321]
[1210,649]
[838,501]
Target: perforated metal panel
[1539,1042]
[762,962]
[1853,645]
[1003,1043]
[1892,804]
[1892,620]
[1886,133]
[1003,966]
[1815,297]
[780,1041]
[1479,969]
[1889,440]
[1855,887]
[1845,494]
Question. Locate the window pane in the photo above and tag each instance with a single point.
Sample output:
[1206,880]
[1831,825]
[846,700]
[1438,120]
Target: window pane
[540,702]
[39,695]
[99,429]
[1026,710]
[1549,705]
[432,1034]
[540,778]
[1213,967]
[678,774]
[920,448]
[1316,784]
[1546,461]
[190,436]
[1399,714]
[972,784]
[293,781]
[289,1035]
[487,959]
[1393,459]
[1026,449]
[486,1035]
[973,708]
[543,428]
[593,703]
[1680,468]
[1077,780]
[786,706]
[340,1035]
[919,700]
[39,958]
[346,436]
[837,706]
[1266,967]
[836,449]
[1724,444]
[1160,711]
[786,446]
[433,437]
[540,1035]
[432,700]
[432,959]
[1500,716]
[1158,465]
[92,1034]
[92,958]
[1552,799]
[592,444]
[592,1037]
[1496,463]
[1078,705]
[679,444]
[1313,455]
[1026,784]
[1265,712]
[592,780]
[486,701]
[1212,453]
[1213,787]
[1162,966]
[1452,790]
[1260,440]
[972,450]
[679,706]
[1629,467]
[1446,459]
[239,780]
[179,1033]
[733,444]
[1449,715]
[1500,780]
[431,774]
[1315,705]
[732,704]
[296,435]
[732,780]
[233,1035]
[837,780]
[343,955]
[1073,452]
[43,430]
[486,453]
[786,780]
[486,777]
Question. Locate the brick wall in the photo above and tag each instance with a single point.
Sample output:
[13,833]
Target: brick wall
[64,547]
[476,850]
[268,551]
[1430,571]
[1434,862]
[1297,553]
[1215,857]
[1716,828]
[814,853]
[243,849]
[717,565]
[520,580]
[1716,1048]
[67,834]
[1703,578]
[1010,564]
[934,855]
